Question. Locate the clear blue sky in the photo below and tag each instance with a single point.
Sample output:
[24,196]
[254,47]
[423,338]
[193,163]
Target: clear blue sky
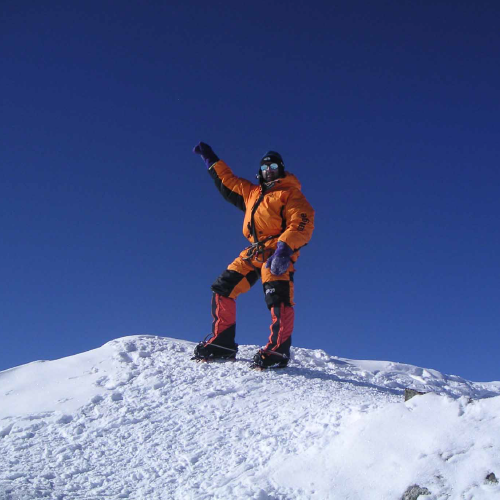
[388,112]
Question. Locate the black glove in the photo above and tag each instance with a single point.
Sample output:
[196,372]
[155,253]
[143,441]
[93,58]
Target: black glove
[206,153]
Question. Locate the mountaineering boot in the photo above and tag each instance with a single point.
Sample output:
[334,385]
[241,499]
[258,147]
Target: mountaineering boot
[205,351]
[266,359]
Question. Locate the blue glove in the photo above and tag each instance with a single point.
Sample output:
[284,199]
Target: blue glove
[280,260]
[206,153]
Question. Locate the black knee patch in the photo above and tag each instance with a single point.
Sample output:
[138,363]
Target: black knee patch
[276,293]
[226,282]
[252,277]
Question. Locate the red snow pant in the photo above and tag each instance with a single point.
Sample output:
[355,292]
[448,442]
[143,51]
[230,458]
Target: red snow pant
[238,278]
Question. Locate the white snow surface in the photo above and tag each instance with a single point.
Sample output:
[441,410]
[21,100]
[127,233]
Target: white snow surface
[138,419]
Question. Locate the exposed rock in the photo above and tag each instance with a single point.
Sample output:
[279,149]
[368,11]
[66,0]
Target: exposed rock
[413,492]
[491,478]
[410,393]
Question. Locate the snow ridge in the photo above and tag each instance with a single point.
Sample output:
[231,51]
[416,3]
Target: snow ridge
[137,419]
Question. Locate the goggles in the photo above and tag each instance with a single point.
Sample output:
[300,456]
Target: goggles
[272,166]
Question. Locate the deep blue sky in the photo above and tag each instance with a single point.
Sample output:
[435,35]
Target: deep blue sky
[388,112]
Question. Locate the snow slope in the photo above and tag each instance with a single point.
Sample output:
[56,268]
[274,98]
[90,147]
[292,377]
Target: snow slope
[137,419]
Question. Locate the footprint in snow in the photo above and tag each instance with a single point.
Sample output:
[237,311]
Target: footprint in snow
[5,431]
[101,381]
[116,396]
[65,419]
[123,356]
[130,347]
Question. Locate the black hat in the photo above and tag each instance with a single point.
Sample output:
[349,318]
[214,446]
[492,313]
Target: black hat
[272,157]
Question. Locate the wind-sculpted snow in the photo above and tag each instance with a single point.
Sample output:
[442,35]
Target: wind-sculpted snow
[137,419]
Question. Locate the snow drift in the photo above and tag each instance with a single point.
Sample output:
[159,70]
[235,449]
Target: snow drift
[137,419]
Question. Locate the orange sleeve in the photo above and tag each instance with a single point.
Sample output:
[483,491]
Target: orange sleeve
[234,189]
[299,217]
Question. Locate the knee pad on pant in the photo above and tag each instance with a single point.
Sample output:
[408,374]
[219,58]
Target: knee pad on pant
[226,282]
[232,283]
[277,293]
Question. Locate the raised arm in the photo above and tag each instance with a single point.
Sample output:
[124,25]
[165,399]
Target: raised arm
[234,189]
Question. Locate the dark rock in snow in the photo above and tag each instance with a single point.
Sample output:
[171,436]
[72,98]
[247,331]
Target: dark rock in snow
[410,393]
[491,478]
[413,492]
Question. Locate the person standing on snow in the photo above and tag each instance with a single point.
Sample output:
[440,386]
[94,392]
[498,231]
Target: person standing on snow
[278,222]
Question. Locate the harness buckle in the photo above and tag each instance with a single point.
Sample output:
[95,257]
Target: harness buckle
[258,249]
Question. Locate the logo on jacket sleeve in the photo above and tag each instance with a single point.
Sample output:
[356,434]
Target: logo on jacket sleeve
[305,220]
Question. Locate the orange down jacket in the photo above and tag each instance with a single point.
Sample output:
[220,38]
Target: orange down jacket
[281,210]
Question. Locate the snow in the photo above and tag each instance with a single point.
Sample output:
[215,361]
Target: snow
[137,419]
